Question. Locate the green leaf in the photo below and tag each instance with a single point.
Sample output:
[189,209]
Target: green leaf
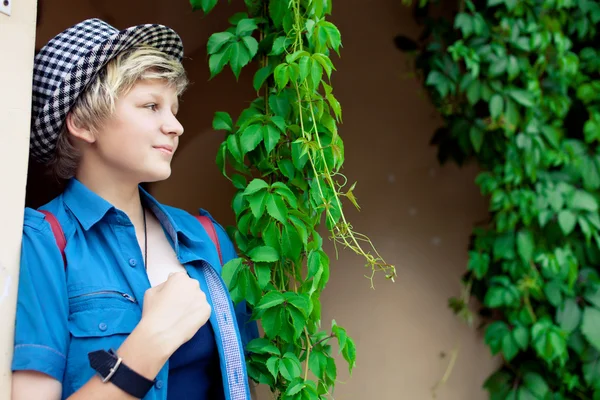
[277,10]
[261,76]
[230,272]
[291,243]
[479,263]
[294,388]
[305,64]
[258,203]
[534,387]
[280,104]
[569,315]
[279,122]
[263,254]
[263,273]
[251,137]
[548,340]
[494,336]
[217,61]
[240,57]
[590,326]
[239,181]
[283,190]
[272,321]
[282,75]
[582,200]
[286,166]
[290,367]
[473,92]
[318,363]
[496,106]
[504,246]
[553,293]
[270,300]
[325,63]
[271,137]
[277,208]
[567,220]
[591,368]
[273,366]
[222,121]
[476,135]
[262,346]
[234,148]
[334,38]
[253,290]
[525,245]
[349,354]
[497,67]
[280,44]
[592,294]
[217,41]
[298,157]
[204,5]
[251,44]
[522,97]
[298,321]
[256,185]
[300,227]
[246,27]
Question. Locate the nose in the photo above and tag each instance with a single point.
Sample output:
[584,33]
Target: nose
[172,126]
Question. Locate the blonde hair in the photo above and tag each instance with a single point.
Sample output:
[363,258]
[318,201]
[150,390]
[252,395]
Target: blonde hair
[97,103]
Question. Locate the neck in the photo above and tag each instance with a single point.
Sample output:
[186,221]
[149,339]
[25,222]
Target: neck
[119,192]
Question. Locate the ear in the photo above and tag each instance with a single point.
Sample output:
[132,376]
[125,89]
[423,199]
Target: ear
[78,130]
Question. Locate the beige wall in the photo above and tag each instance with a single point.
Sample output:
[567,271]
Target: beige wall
[16,50]
[418,214]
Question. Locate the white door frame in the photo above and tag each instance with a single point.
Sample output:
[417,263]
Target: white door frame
[17,47]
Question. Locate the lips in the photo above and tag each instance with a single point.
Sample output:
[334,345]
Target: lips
[165,149]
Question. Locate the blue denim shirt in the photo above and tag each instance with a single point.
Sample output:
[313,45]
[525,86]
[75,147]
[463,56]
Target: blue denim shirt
[97,301]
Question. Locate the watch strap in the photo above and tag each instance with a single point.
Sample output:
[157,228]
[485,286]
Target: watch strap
[107,365]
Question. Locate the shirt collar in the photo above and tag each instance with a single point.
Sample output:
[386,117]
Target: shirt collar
[89,208]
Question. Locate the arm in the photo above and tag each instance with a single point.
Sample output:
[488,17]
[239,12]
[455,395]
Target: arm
[173,312]
[29,384]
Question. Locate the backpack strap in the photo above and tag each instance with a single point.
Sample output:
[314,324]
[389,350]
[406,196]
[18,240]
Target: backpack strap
[61,241]
[209,227]
[59,235]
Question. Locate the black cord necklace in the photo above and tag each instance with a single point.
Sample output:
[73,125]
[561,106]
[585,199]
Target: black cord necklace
[145,240]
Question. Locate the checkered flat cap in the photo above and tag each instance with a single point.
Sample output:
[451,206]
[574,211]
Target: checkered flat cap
[69,62]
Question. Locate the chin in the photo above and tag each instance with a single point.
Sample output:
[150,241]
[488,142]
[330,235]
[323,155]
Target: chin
[157,175]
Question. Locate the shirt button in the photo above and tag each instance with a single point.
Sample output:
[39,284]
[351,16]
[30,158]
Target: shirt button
[102,326]
[159,384]
[132,262]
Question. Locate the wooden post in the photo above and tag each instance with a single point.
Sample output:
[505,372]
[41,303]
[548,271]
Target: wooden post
[17,41]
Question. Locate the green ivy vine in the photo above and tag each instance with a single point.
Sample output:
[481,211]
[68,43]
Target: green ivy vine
[518,86]
[283,154]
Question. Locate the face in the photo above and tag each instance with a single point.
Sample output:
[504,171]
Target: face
[141,137]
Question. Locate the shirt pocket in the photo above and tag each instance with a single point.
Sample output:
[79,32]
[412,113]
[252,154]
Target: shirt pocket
[98,320]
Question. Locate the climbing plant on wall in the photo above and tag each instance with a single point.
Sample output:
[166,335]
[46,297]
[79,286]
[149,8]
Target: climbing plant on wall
[518,86]
[283,154]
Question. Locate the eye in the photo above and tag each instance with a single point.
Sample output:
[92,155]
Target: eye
[151,106]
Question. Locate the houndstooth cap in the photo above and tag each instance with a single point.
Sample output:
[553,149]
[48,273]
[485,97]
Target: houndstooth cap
[68,63]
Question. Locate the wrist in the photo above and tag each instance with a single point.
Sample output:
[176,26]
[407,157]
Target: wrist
[145,351]
[161,341]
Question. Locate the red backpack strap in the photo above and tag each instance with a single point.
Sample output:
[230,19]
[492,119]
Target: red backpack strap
[209,227]
[59,235]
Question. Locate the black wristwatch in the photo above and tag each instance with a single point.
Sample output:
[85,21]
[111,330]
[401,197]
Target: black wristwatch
[110,367]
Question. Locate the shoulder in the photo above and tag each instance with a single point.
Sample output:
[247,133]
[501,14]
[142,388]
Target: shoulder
[36,223]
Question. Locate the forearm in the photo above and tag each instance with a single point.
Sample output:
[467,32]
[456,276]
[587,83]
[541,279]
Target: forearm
[143,352]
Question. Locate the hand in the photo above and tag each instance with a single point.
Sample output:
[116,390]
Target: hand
[175,310]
